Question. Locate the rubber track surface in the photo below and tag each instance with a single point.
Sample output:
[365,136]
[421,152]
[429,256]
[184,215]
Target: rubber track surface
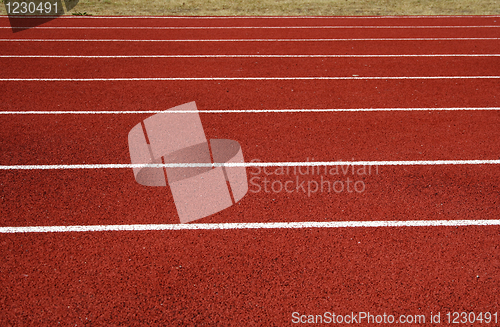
[252,277]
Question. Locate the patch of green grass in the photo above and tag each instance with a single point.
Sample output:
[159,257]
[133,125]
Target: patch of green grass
[285,7]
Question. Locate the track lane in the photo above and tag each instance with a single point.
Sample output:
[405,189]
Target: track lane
[161,95]
[246,67]
[269,137]
[111,196]
[340,47]
[250,33]
[218,277]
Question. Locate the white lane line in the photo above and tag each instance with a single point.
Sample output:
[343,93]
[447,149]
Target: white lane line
[298,78]
[257,40]
[226,226]
[254,164]
[250,27]
[229,111]
[259,56]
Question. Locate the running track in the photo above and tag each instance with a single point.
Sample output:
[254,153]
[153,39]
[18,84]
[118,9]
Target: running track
[85,246]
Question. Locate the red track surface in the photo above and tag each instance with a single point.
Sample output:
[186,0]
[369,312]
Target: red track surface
[256,276]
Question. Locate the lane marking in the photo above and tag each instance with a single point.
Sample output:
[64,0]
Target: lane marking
[240,78]
[256,40]
[227,226]
[254,27]
[254,164]
[217,111]
[256,56]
